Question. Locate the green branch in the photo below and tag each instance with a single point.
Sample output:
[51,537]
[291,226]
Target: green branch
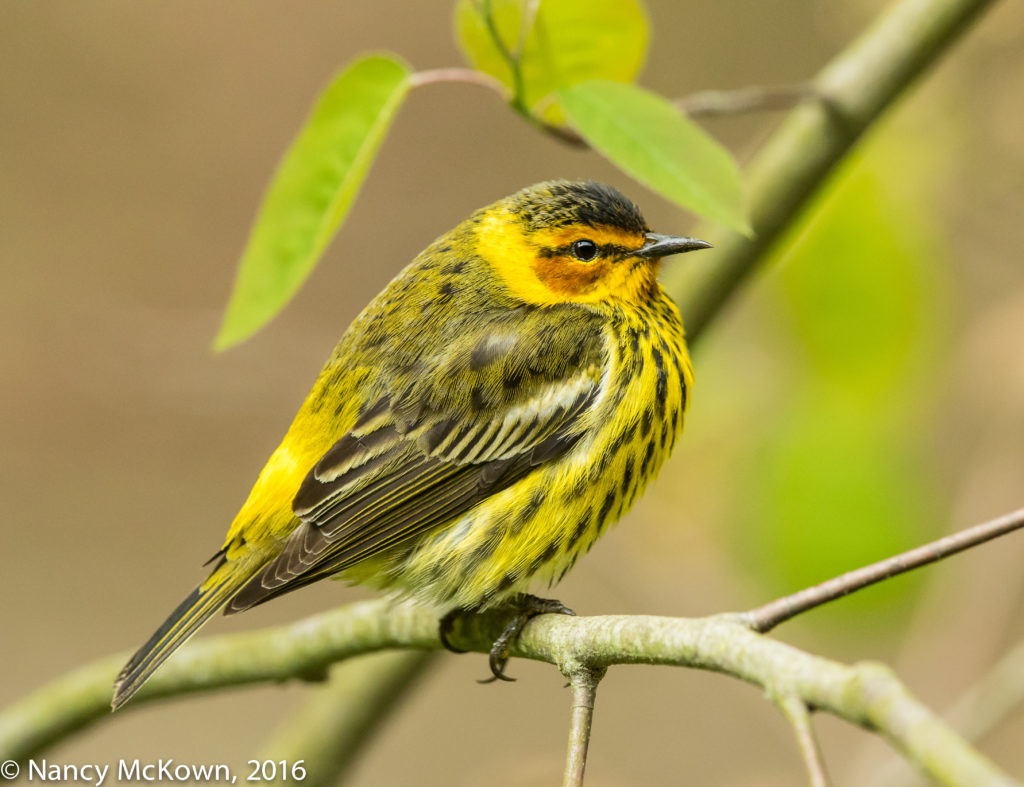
[304,650]
[866,694]
[853,90]
[334,723]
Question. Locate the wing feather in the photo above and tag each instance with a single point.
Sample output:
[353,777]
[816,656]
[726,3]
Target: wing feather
[410,465]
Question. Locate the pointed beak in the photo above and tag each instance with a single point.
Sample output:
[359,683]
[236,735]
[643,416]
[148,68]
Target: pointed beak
[664,245]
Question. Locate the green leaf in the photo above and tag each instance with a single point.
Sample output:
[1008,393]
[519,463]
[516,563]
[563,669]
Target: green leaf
[567,42]
[312,190]
[651,140]
[474,37]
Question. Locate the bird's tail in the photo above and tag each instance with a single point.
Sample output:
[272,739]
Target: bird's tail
[201,604]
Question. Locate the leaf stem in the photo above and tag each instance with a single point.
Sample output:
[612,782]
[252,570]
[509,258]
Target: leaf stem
[468,76]
[518,100]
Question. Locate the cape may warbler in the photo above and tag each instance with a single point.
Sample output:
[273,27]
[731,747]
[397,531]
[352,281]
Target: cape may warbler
[503,400]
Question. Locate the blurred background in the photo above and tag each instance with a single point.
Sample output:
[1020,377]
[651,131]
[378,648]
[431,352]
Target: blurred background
[863,394]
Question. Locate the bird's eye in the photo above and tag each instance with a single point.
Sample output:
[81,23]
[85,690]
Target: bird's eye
[584,250]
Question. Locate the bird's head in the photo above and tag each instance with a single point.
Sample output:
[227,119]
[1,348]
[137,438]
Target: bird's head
[561,241]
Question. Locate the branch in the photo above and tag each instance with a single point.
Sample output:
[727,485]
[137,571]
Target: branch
[82,697]
[853,89]
[756,98]
[583,682]
[800,717]
[706,103]
[769,616]
[865,694]
[978,711]
[329,731]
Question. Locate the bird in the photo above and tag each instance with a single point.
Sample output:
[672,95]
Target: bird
[489,414]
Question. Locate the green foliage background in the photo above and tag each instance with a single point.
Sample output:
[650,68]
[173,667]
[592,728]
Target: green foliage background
[842,475]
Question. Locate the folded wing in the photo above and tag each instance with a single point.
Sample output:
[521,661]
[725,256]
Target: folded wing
[420,457]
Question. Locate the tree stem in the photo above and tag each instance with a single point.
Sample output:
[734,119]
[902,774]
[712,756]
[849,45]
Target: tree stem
[800,717]
[853,90]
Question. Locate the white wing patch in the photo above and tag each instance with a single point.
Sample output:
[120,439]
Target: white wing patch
[520,428]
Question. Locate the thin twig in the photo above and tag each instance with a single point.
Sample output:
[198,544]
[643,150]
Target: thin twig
[755,98]
[767,617]
[795,709]
[583,683]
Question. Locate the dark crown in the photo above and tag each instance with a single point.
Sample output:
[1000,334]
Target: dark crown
[559,203]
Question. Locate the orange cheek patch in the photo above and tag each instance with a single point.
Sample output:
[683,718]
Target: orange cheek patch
[567,276]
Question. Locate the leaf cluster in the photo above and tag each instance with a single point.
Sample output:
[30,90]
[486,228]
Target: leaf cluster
[567,67]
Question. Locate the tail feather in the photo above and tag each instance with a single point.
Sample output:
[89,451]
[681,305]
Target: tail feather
[200,605]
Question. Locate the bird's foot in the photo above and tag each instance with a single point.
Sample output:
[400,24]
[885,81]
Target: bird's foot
[526,607]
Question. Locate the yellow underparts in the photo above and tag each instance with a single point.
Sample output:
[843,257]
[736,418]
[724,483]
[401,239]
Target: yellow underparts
[537,528]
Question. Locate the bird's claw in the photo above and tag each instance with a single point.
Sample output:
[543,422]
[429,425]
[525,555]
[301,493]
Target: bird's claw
[528,607]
